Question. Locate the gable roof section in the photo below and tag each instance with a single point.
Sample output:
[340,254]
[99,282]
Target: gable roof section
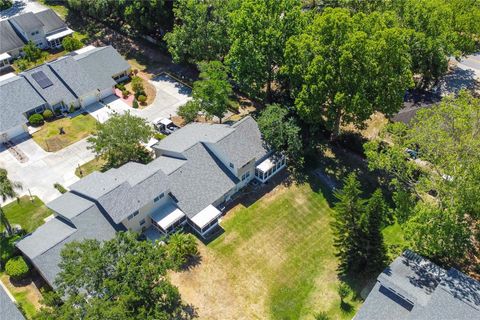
[244,143]
[9,39]
[28,21]
[53,94]
[102,63]
[122,191]
[8,308]
[77,78]
[414,288]
[69,205]
[191,134]
[16,97]
[56,233]
[51,21]
[201,181]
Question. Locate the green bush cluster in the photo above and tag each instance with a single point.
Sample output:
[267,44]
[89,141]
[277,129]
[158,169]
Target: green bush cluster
[17,268]
[60,188]
[120,86]
[47,114]
[159,136]
[135,104]
[36,119]
[142,99]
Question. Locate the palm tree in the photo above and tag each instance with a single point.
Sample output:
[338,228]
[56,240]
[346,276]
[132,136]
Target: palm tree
[180,247]
[7,190]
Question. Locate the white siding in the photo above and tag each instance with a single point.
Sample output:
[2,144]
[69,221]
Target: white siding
[106,92]
[88,99]
[12,133]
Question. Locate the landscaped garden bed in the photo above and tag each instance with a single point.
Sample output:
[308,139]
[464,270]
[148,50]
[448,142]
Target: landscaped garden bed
[50,138]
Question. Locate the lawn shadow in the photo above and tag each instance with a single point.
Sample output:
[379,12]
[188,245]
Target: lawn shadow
[189,311]
[346,307]
[191,263]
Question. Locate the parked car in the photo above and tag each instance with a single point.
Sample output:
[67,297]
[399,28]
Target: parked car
[165,126]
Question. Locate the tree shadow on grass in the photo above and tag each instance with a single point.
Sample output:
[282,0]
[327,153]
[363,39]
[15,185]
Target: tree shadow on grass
[191,263]
[346,307]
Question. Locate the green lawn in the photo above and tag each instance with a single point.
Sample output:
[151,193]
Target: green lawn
[58,7]
[26,213]
[88,167]
[77,128]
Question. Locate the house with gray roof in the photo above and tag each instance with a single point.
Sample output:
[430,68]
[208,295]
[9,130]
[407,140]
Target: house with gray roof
[45,28]
[10,44]
[8,308]
[413,287]
[75,80]
[17,97]
[194,175]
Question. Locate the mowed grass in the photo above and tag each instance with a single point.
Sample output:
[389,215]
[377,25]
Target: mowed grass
[29,214]
[96,164]
[284,242]
[77,128]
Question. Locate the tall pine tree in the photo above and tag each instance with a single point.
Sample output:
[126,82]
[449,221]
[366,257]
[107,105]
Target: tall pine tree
[346,227]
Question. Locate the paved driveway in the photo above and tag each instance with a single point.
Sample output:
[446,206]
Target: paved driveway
[170,94]
[43,168]
[21,6]
[103,111]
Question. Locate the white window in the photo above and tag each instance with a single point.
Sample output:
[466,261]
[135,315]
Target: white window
[231,165]
[135,213]
[142,222]
[130,217]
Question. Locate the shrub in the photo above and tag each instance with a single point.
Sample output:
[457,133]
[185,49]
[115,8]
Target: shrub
[142,99]
[58,112]
[135,104]
[17,268]
[189,111]
[36,119]
[137,84]
[22,64]
[120,86]
[59,187]
[47,114]
[71,109]
[343,291]
[125,94]
[71,44]
[158,136]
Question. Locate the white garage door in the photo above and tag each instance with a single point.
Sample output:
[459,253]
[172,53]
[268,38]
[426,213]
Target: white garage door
[88,100]
[12,133]
[106,92]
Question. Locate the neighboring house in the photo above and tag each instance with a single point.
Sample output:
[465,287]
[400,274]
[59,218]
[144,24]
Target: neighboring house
[8,308]
[414,288]
[77,79]
[44,28]
[17,98]
[197,171]
[10,44]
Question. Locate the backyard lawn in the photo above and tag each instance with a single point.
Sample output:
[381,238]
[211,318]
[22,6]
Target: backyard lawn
[275,260]
[77,128]
[26,213]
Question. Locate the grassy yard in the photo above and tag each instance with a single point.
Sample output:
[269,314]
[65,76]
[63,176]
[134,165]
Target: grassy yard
[27,294]
[26,213]
[93,165]
[77,128]
[275,260]
[58,7]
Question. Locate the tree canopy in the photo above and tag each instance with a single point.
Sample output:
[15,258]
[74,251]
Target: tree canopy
[437,194]
[122,278]
[120,140]
[343,67]
[7,190]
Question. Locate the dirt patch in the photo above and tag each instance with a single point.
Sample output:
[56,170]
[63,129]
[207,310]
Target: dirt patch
[219,292]
[29,287]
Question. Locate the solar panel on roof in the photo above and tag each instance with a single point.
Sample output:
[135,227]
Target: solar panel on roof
[42,79]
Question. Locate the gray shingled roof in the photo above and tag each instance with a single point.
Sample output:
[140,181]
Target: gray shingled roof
[45,237]
[102,63]
[90,224]
[76,77]
[191,134]
[51,21]
[54,94]
[28,21]
[202,180]
[70,205]
[124,190]
[243,144]
[9,39]
[16,97]
[167,164]
[8,309]
[415,288]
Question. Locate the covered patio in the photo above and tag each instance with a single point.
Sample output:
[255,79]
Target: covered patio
[55,40]
[167,218]
[204,221]
[269,167]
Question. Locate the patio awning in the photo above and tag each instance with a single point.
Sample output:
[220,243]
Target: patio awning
[5,56]
[167,215]
[206,216]
[60,34]
[266,165]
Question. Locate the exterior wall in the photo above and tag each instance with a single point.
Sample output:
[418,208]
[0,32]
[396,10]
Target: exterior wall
[121,76]
[249,167]
[12,133]
[161,152]
[144,213]
[106,92]
[89,98]
[39,39]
